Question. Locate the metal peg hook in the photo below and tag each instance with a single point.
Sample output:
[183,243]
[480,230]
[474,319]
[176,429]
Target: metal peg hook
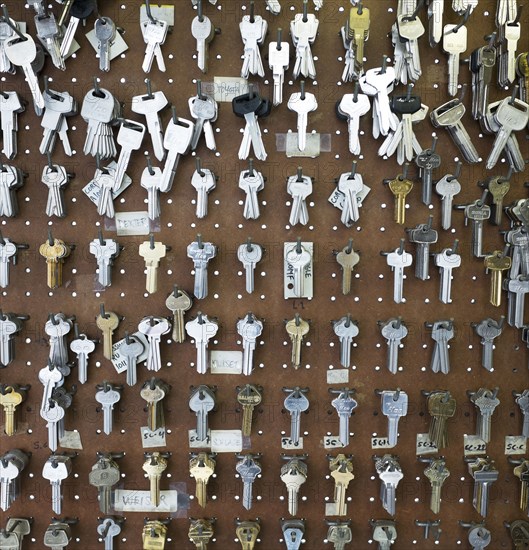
[302,87]
[466,15]
[151,18]
[354,166]
[127,338]
[457,171]
[199,241]
[251,172]
[401,248]
[173,114]
[514,94]
[360,8]
[175,291]
[97,90]
[279,37]
[102,311]
[50,163]
[151,241]
[149,166]
[297,319]
[384,65]
[200,12]
[298,245]
[7,20]
[355,91]
[199,90]
[299,174]
[198,164]
[435,139]
[349,247]
[252,11]
[150,95]
[249,246]
[305,10]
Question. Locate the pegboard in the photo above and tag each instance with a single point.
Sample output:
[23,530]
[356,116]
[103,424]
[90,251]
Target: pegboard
[371,298]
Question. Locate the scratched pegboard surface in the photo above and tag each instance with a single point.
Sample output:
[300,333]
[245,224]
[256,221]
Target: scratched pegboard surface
[371,298]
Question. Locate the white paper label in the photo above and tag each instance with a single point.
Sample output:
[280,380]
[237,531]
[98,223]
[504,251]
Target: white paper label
[116,48]
[93,190]
[119,361]
[380,443]
[152,439]
[228,87]
[424,446]
[195,443]
[338,376]
[332,442]
[515,445]
[288,273]
[473,445]
[225,362]
[289,445]
[140,501]
[163,13]
[71,440]
[226,441]
[132,223]
[331,509]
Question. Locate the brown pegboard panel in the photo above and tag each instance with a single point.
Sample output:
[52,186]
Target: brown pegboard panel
[370,300]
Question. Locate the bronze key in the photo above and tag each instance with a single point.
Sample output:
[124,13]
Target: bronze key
[401,187]
[497,262]
[249,397]
[55,251]
[107,322]
[10,398]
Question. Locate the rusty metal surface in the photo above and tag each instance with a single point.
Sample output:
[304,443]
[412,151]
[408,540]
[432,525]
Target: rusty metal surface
[370,300]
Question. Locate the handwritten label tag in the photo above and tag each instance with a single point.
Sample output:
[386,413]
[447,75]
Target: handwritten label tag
[225,362]
[152,439]
[424,446]
[380,443]
[474,446]
[228,87]
[120,362]
[71,440]
[132,223]
[288,273]
[195,443]
[226,441]
[338,376]
[332,442]
[140,501]
[515,445]
[93,190]
[289,445]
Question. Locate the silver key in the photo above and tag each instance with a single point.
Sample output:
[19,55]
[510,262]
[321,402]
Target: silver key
[201,253]
[454,44]
[447,260]
[108,396]
[299,258]
[447,187]
[202,330]
[10,107]
[8,250]
[442,333]
[130,138]
[82,347]
[486,402]
[53,414]
[203,32]
[278,61]
[176,141]
[105,31]
[302,103]
[56,469]
[204,110]
[394,331]
[394,405]
[48,32]
[248,468]
[202,401]
[295,403]
[154,328]
[131,350]
[204,181]
[346,330]
[250,254]
[108,529]
[423,236]
[489,330]
[249,328]
[344,405]
[299,188]
[150,106]
[154,33]
[398,261]
[251,182]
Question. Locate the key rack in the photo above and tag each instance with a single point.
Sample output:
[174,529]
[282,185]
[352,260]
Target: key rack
[370,301]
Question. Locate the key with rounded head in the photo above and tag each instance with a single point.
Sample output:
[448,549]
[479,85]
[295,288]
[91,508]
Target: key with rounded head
[400,187]
[442,333]
[344,405]
[297,329]
[154,328]
[108,396]
[390,473]
[249,107]
[178,302]
[393,331]
[340,534]
[295,403]
[302,103]
[82,347]
[153,391]
[293,475]
[51,377]
[56,469]
[154,466]
[394,405]
[398,260]
[347,259]
[131,349]
[202,330]
[351,185]
[201,253]
[53,414]
[107,530]
[9,326]
[154,33]
[342,472]
[107,322]
[251,182]
[299,188]
[479,537]
[454,44]
[151,179]
[204,181]
[249,328]
[105,252]
[57,327]
[105,32]
[299,258]
[346,330]
[250,254]
[203,32]
[248,469]
[104,476]
[201,467]
[10,399]
[385,533]
[204,110]
[498,187]
[9,471]
[304,29]
[447,260]
[249,396]
[201,402]
[489,329]
[447,187]
[253,29]
[486,402]
[152,252]
[54,252]
[427,161]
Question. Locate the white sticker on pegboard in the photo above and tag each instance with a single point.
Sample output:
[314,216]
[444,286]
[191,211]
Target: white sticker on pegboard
[140,501]
[228,87]
[289,445]
[71,440]
[119,361]
[473,445]
[225,362]
[331,509]
[424,446]
[226,441]
[332,442]
[132,223]
[288,273]
[381,443]
[515,445]
[151,439]
[195,443]
[337,376]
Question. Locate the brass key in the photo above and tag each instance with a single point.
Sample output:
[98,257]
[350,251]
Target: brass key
[247,533]
[249,397]
[400,187]
[522,69]
[200,532]
[107,322]
[152,252]
[341,469]
[178,302]
[153,391]
[154,466]
[297,328]
[55,251]
[153,535]
[359,22]
[10,398]
[348,259]
[522,472]
[497,262]
[201,467]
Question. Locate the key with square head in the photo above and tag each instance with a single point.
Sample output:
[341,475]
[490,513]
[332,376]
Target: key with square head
[56,469]
[302,103]
[200,532]
[154,328]
[486,402]
[202,467]
[427,161]
[347,258]
[423,236]
[293,533]
[295,403]
[201,402]
[248,469]
[293,475]
[477,212]
[278,62]
[496,263]
[394,331]
[152,252]
[105,252]
[398,260]
[105,32]
[153,391]
[400,187]
[341,469]
[437,473]
[54,251]
[130,137]
[202,330]
[447,260]
[299,258]
[249,396]
[297,329]
[131,350]
[108,529]
[454,44]
[154,33]
[178,302]
[248,531]
[154,534]
[82,347]
[154,465]
[203,32]
[304,29]
[176,141]
[394,405]
[108,396]
[201,253]
[339,534]
[104,476]
[447,187]
[107,322]
[344,405]
[10,398]
[346,329]
[99,110]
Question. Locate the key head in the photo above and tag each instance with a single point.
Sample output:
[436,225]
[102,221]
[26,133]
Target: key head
[181,302]
[109,397]
[442,331]
[250,183]
[512,115]
[304,30]
[423,234]
[148,104]
[178,135]
[340,534]
[437,472]
[382,82]
[98,106]
[204,109]
[205,181]
[56,538]
[250,395]
[498,187]
[11,398]
[448,114]
[108,323]
[347,259]
[133,349]
[152,395]
[302,106]
[57,468]
[479,537]
[202,30]
[497,261]
[392,330]
[397,259]
[299,188]
[428,160]
[523,401]
[201,329]
[400,186]
[350,184]
[299,259]
[8,470]
[344,404]
[201,255]
[279,59]
[109,528]
[152,255]
[250,330]
[448,186]
[104,476]
[394,403]
[385,533]
[447,259]
[82,345]
[350,108]
[154,32]
[244,104]
[53,252]
[485,400]
[154,327]
[105,29]
[155,465]
[151,181]
[296,401]
[345,328]
[202,400]
[249,255]
[441,404]
[20,51]
[248,469]
[477,211]
[130,135]
[410,29]
[404,105]
[454,42]
[11,103]
[297,330]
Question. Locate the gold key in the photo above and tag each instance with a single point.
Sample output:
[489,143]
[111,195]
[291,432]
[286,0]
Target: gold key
[247,533]
[522,472]
[348,259]
[341,469]
[153,391]
[154,466]
[153,535]
[152,252]
[107,322]
[359,21]
[201,467]
[200,532]
[441,406]
[497,262]
[400,187]
[522,69]
[249,397]
[297,328]
[55,251]
[178,302]
[10,398]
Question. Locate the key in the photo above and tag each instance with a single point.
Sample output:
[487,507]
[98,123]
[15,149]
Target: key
[104,476]
[154,534]
[401,188]
[447,187]
[477,212]
[82,347]
[249,396]
[202,330]
[442,333]
[447,260]
[342,472]
[299,188]
[304,29]
[489,330]
[204,181]
[423,236]
[22,53]
[454,44]
[105,252]
[57,536]
[427,161]
[10,107]
[105,32]
[151,179]
[394,405]
[518,288]
[522,401]
[56,469]
[496,263]
[437,473]
[203,32]
[154,33]
[339,535]
[498,187]
[48,32]
[351,185]
[100,110]
[202,401]
[353,107]
[278,62]
[153,391]
[398,261]
[394,331]
[344,405]
[176,141]
[55,178]
[479,538]
[12,464]
[107,322]
[295,403]
[249,328]
[108,396]
[52,414]
[253,29]
[201,467]
[201,253]
[10,325]
[250,254]
[406,106]
[390,474]
[486,402]
[57,327]
[248,531]
[248,469]
[152,252]
[200,532]
[58,106]
[249,106]
[293,475]
[441,406]
[484,475]
[178,302]
[251,182]
[8,250]
[10,399]
[80,11]
[297,329]
[299,259]
[154,466]
[379,82]
[130,137]
[108,529]
[51,377]
[302,103]
[55,251]
[132,349]
[204,109]
[154,328]
[346,330]
[293,533]
[347,258]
